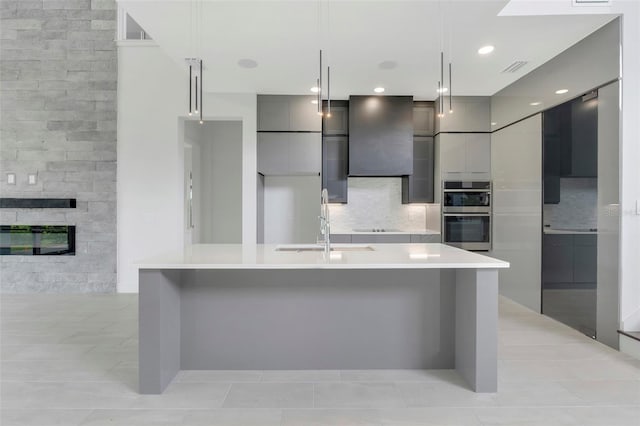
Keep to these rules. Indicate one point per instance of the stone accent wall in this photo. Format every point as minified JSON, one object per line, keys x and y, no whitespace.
{"x":58,"y":69}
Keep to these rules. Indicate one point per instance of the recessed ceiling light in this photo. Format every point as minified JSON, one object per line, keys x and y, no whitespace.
{"x":485,"y":50}
{"x":561,"y":91}
{"x":247,"y":63}
{"x":442,"y":90}
{"x":535,"y":103}
{"x":379,"y":89}
{"x":493,"y":123}
{"x":315,"y":102}
{"x":315,"y":89}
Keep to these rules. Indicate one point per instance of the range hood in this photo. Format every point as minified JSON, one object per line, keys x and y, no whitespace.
{"x":380,"y":136}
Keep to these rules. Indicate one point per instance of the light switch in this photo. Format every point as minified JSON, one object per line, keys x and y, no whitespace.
{"x":32,"y":179}
{"x":11,"y":178}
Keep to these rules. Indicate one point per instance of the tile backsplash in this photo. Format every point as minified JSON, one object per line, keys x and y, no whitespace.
{"x":377,"y":203}
{"x":578,"y":206}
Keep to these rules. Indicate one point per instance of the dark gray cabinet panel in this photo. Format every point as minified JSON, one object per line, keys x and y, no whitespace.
{"x":570,"y":140}
{"x":335,"y":154}
{"x":569,"y":259}
{"x":338,"y":123}
{"x":585,"y":258}
{"x":418,"y":187}
{"x":380,"y":135}
{"x":341,"y":238}
{"x":423,"y":118}
{"x":584,"y":138}
{"x":380,"y":238}
{"x":557,"y":259}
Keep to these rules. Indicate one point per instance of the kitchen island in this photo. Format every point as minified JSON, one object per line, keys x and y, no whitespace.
{"x":376,"y":306}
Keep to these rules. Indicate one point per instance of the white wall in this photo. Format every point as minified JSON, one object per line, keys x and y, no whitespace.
{"x":291,"y":209}
{"x":516,"y":167}
{"x":152,"y":99}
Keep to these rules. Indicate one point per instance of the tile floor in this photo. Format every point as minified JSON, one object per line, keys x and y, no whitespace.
{"x":72,"y":360}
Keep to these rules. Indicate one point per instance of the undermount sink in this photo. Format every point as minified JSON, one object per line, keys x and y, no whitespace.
{"x":316,"y":247}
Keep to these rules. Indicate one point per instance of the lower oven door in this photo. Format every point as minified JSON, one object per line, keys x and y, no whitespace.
{"x":467,"y":231}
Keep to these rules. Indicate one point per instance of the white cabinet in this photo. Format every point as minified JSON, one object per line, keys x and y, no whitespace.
{"x":282,"y":153}
{"x":465,"y":156}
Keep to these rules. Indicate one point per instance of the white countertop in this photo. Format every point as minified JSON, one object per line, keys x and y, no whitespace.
{"x":265,"y":256}
{"x":352,"y":232}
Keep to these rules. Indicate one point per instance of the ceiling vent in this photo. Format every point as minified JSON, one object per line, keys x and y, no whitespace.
{"x":514,"y":67}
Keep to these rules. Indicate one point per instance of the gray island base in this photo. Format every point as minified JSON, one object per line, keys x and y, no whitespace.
{"x":258,"y":312}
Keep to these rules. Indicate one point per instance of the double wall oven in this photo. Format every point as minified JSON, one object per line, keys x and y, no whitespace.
{"x":466,"y":214}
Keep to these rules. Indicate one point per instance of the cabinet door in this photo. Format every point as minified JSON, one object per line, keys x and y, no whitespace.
{"x":420,"y":184}
{"x":305,"y":153}
{"x":273,"y":113}
{"x":452,"y":156}
{"x":423,"y":118}
{"x":341,"y":238}
{"x":334,"y":167}
{"x":557,"y":259}
{"x":584,"y":135}
{"x":478,"y":155}
{"x":380,"y":238}
{"x":303,"y":115}
{"x":273,"y":153}
{"x":425,"y":238}
{"x":585,"y":258}
{"x":338,"y":123}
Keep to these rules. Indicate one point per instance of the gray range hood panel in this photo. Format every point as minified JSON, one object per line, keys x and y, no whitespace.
{"x":380,"y":135}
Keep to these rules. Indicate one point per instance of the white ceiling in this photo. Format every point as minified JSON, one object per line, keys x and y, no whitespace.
{"x":356,"y":36}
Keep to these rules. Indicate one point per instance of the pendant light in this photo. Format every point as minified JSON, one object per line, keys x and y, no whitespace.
{"x":195,"y":64}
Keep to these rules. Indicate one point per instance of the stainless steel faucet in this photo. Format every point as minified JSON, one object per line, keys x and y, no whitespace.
{"x":325,"y":223}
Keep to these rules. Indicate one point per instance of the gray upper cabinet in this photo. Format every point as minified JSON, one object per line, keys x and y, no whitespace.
{"x":470,"y":114}
{"x":303,"y":115}
{"x":418,"y":187}
{"x":305,"y":153}
{"x":338,"y":123}
{"x":289,"y":153}
{"x":273,"y":153}
{"x":283,"y":113}
{"x":335,"y":161}
{"x":423,"y":118}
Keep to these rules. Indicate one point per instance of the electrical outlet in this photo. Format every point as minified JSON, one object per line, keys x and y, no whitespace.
{"x":32,"y":179}
{"x":11,"y":178}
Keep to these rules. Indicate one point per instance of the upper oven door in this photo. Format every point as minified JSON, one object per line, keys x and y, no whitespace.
{"x":463,"y":200}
